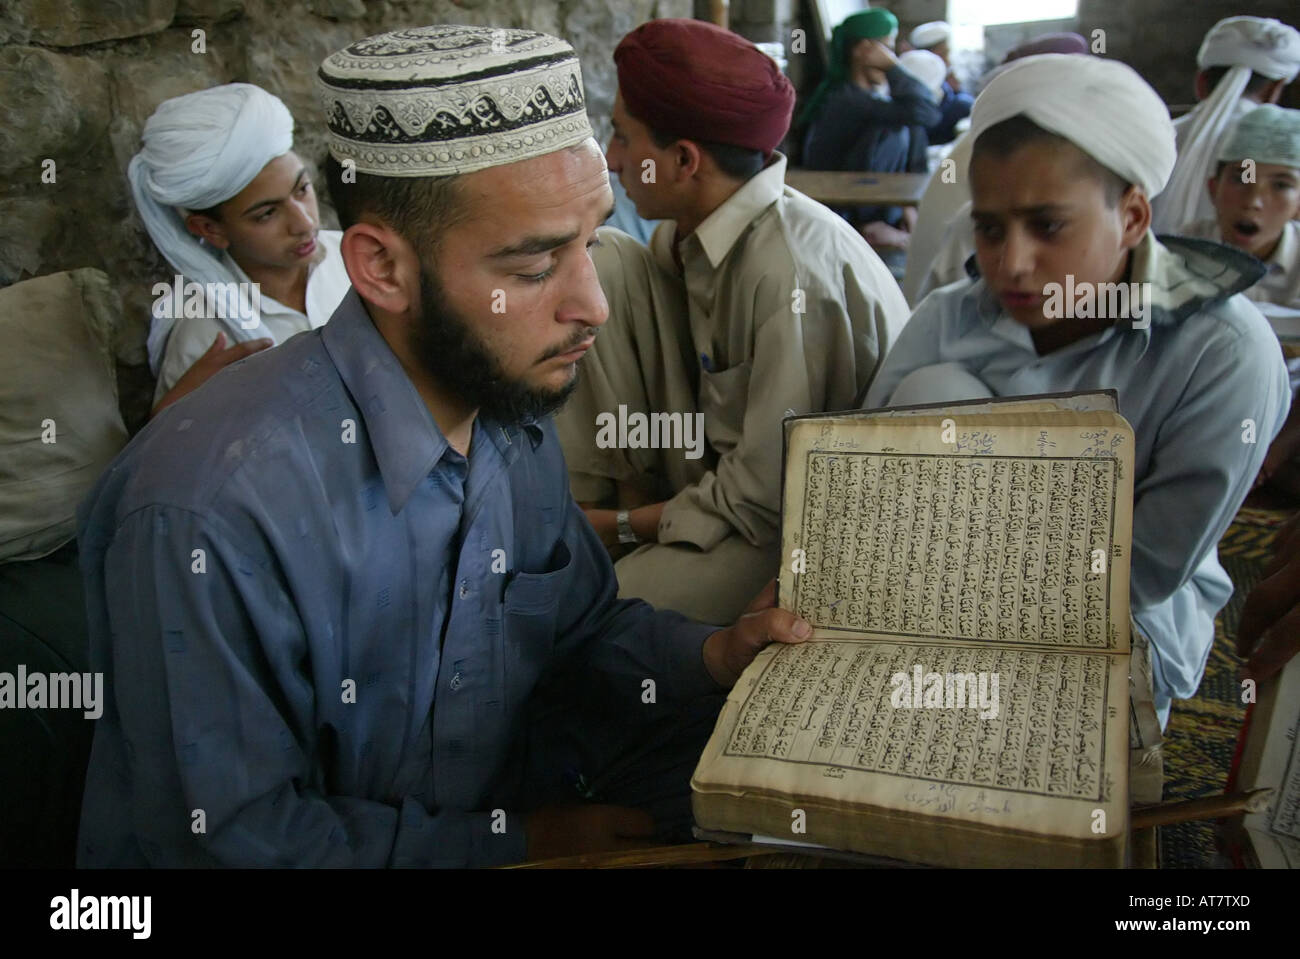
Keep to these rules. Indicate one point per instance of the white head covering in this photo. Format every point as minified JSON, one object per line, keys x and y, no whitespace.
{"x":1268,"y":135}
{"x":448,"y":99}
{"x":1101,"y":106}
{"x":1268,"y":47}
{"x":930,"y":34}
{"x":199,"y":150}
{"x":1244,"y":45}
{"x":927,"y":67}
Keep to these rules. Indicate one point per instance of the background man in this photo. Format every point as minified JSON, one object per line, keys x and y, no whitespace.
{"x":955,"y":104}
{"x":861,"y":116}
{"x":1243,"y":62}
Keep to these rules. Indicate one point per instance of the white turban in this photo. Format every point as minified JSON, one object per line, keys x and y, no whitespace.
{"x":1268,"y":47}
{"x":927,"y":67}
{"x":930,"y":34}
{"x":1101,"y":106}
{"x":1245,"y":45}
{"x":199,"y":150}
{"x":1268,"y":135}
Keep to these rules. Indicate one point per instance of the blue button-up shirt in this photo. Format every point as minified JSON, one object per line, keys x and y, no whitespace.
{"x":1204,"y":387}
{"x":318,"y":623}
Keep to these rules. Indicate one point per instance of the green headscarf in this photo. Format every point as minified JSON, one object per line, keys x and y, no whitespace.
{"x":868,"y":25}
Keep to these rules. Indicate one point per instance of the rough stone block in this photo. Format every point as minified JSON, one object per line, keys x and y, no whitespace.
{"x":207,"y":11}
{"x":51,"y":105}
{"x":71,"y":23}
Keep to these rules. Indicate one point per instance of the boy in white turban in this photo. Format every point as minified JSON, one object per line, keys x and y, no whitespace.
{"x":230,"y":205}
{"x":1243,"y":62}
{"x":1061,"y":196}
{"x":1256,"y":196}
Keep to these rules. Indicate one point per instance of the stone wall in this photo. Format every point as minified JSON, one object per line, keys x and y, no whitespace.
{"x":78,"y":79}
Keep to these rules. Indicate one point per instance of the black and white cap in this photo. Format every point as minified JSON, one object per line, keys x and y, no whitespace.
{"x":447,"y":99}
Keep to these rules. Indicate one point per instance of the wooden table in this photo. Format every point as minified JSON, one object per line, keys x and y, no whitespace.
{"x":853,"y":188}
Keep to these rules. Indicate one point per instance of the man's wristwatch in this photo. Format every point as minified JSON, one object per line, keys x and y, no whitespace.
{"x":625,"y":531}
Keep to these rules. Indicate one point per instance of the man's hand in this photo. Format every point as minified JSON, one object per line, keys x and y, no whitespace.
{"x":214,"y":360}
{"x":1270,"y":622}
{"x":878,"y":55}
{"x":728,"y":651}
{"x":578,"y":830}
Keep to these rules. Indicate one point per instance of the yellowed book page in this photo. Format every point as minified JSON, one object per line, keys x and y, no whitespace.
{"x":1080,"y":402}
{"x":1008,"y":737}
{"x":1001,"y":528}
{"x":1275,"y":832}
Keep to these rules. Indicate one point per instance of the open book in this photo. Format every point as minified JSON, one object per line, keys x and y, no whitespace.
{"x":1269,"y":757}
{"x":964,"y":697}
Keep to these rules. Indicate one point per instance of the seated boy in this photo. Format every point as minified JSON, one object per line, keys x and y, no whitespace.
{"x":231,"y":207}
{"x":1256,"y":196}
{"x":1060,"y":194}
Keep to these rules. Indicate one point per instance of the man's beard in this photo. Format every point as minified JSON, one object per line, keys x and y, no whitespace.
{"x":451,"y":352}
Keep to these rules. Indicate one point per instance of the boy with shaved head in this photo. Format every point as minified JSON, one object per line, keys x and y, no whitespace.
{"x":1060,"y":201}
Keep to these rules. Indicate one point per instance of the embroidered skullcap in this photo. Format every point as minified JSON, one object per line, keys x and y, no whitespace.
{"x":447,"y":99}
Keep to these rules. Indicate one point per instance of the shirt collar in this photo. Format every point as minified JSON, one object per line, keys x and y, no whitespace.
{"x":1186,"y":275}
{"x":406,"y":440}
{"x":721,"y":228}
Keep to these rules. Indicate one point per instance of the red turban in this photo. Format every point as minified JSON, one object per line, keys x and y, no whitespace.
{"x":696,"y":81}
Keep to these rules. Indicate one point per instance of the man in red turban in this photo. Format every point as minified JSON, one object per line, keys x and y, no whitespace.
{"x":752,"y":303}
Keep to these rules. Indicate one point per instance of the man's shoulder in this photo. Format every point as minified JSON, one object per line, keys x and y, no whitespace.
{"x":802,"y":238}
{"x":240,"y":421}
{"x":1234,"y":322}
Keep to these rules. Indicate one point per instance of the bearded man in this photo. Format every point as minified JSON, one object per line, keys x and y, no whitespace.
{"x":346,"y":607}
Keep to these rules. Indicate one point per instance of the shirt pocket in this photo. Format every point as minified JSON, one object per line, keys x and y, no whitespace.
{"x":529,"y":609}
{"x":723,"y":398}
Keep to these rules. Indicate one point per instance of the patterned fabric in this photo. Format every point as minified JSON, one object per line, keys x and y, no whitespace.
{"x":445,"y":100}
{"x":1202,"y":733}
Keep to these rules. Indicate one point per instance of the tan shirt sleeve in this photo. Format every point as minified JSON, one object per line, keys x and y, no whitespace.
{"x":802,"y":363}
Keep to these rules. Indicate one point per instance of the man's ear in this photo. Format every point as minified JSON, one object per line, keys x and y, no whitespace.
{"x":382,"y":265}
{"x":688,"y":157}
{"x":1212,"y":188}
{"x":208,"y":230}
{"x":1135,"y":213}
